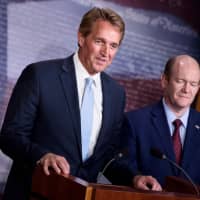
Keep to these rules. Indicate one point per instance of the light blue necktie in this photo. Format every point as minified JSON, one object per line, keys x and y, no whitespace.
{"x":87,"y":116}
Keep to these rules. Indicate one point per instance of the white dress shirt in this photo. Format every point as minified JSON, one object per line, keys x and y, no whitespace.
{"x":81,"y":75}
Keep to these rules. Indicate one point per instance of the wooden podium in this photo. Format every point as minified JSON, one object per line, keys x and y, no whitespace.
{"x":180,"y":185}
{"x":59,"y":187}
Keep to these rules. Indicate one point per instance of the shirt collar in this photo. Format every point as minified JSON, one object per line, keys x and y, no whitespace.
{"x":171,"y":116}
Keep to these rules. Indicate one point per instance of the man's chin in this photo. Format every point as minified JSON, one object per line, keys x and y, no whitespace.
{"x":100,"y":68}
{"x":184,"y":105}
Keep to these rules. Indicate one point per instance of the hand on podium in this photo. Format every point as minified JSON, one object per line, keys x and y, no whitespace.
{"x":52,"y":161}
{"x":146,"y":183}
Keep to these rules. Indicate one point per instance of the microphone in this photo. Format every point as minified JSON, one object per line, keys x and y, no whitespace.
{"x":101,"y":178}
{"x":158,"y":154}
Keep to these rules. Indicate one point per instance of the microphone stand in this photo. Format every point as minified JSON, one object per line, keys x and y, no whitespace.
{"x":158,"y":154}
{"x":184,"y":172}
{"x":101,"y":176}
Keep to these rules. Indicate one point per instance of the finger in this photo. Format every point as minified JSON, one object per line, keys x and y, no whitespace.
{"x":157,"y":187}
{"x":146,"y":187}
{"x":56,"y":167}
{"x":48,"y":163}
{"x":143,"y":185}
{"x":46,"y":168}
{"x":64,"y":167}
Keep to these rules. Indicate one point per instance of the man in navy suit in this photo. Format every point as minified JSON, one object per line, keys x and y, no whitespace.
{"x":152,"y":127}
{"x":43,"y":122}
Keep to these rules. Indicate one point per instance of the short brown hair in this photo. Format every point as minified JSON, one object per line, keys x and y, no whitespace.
{"x":106,"y":14}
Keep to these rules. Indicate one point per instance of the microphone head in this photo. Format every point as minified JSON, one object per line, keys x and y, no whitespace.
{"x":157,"y":153}
{"x":122,"y":153}
{"x":118,"y":156}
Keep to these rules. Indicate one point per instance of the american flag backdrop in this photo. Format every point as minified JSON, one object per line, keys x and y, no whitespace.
{"x":43,"y":29}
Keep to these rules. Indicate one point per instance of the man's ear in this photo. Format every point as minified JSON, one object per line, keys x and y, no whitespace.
{"x":81,"y":39}
{"x":164,"y":81}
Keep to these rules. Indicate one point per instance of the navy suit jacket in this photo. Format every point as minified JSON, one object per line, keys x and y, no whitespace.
{"x":146,"y":128}
{"x":43,"y":116}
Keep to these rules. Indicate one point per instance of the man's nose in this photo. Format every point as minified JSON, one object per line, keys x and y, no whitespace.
{"x":186,"y":87}
{"x":105,"y":50}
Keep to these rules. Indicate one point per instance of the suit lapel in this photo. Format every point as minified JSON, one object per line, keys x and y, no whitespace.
{"x":107,"y":102}
{"x":191,"y":144}
{"x":68,"y":81}
{"x":160,"y":123}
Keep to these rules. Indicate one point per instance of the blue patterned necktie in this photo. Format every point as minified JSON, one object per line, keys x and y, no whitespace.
{"x":87,"y":116}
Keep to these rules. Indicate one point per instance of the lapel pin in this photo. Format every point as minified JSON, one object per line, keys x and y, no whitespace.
{"x":197,"y":127}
